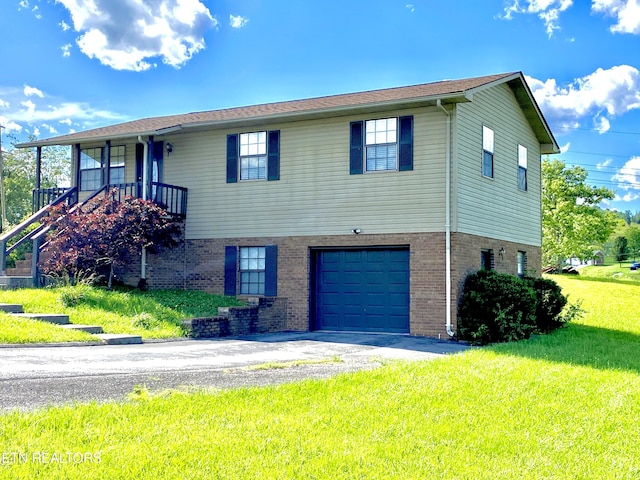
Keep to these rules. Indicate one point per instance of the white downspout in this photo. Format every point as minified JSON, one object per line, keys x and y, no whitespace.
{"x":143,"y":259}
{"x":447,"y":221}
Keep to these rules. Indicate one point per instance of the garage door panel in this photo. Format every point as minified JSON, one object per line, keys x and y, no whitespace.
{"x":368,"y":287}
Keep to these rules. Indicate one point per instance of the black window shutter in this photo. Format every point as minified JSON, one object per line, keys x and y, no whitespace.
{"x":232,"y":158}
{"x":273,"y":155}
{"x":356,"y":156}
{"x":271,"y":271}
{"x":406,"y":144}
{"x":230,"y":270}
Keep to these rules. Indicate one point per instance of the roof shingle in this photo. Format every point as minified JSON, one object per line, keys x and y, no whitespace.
{"x":155,"y":125}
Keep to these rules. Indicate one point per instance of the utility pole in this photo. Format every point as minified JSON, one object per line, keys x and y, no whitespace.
{"x":3,"y":222}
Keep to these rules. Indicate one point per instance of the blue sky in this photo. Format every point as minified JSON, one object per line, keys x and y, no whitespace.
{"x":69,"y":65}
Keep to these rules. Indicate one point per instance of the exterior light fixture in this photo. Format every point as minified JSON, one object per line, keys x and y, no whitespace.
{"x":169,"y":148}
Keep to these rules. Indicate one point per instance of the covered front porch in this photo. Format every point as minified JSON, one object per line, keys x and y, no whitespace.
{"x":96,"y":170}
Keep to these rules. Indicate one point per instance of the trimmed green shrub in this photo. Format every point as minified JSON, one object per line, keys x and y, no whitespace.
{"x":550,"y":304}
{"x":496,"y":307}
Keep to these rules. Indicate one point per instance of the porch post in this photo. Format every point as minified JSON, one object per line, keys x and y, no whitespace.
{"x":38,"y":167}
{"x":76,"y":149}
{"x":107,"y":175}
{"x":37,"y":197}
{"x":147,"y":176}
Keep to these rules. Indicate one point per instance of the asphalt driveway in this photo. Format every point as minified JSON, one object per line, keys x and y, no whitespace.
{"x":32,"y":377}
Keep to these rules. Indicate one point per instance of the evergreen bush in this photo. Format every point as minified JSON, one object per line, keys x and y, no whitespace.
{"x":497,"y":307}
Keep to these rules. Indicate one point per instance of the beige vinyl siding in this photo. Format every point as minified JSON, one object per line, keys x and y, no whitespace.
{"x":315,"y":195}
{"x":495,"y":207}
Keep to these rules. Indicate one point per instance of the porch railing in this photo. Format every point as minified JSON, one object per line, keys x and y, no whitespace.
{"x":170,"y":197}
{"x":46,"y":196}
{"x":6,"y":249}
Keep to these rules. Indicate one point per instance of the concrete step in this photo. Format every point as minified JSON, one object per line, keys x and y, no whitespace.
{"x":56,"y":318}
{"x":12,"y":283}
{"x":23,"y":264}
{"x":118,"y":339}
{"x":18,"y":272}
{"x":11,"y":308}
{"x":94,"y":329}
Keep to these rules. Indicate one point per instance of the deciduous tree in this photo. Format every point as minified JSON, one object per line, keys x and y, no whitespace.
{"x":573,"y":224}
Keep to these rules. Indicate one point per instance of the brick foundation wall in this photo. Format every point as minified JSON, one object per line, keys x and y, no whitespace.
{"x":465,"y":258}
{"x":205,"y":271}
{"x":199,"y":265}
{"x":261,"y":315}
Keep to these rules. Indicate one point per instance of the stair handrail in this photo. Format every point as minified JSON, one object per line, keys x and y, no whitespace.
{"x":4,"y":238}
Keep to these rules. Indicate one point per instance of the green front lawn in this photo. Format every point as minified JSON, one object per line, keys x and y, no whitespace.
{"x":562,"y":406}
{"x":151,"y":314}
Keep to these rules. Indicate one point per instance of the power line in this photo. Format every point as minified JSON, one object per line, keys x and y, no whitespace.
{"x":593,"y":130}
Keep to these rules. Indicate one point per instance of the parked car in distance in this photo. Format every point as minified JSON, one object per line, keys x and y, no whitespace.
{"x":635,"y":266}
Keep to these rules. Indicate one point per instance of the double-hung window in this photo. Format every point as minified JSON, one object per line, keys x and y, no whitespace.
{"x":384,"y":144}
{"x":522,"y":167}
{"x":251,"y":270}
{"x":253,"y":156}
{"x":487,"y":151}
{"x":116,"y":172}
{"x":91,"y":168}
{"x":381,"y":144}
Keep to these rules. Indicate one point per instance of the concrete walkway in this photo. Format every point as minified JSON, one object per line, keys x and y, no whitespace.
{"x":35,"y":377}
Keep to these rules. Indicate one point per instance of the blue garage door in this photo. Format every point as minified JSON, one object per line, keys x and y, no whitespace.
{"x":362,"y":290}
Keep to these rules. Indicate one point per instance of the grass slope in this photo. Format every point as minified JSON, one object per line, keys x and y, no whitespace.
{"x":560,"y":406}
{"x":151,"y":314}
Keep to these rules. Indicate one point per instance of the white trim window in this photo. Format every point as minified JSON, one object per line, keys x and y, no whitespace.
{"x":253,"y":156}
{"x":118,"y":156}
{"x":522,"y":168}
{"x":522,"y":263}
{"x":487,"y":151}
{"x":381,"y":140}
{"x":252,"y":270}
{"x":91,"y":168}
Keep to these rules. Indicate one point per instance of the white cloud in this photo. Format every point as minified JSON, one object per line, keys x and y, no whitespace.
{"x":601,"y":124}
{"x":565,"y":148}
{"x":66,"y":50}
{"x":627,"y":13}
{"x":28,"y":108}
{"x":628,"y":177}
{"x":31,"y":91}
{"x":29,"y":105}
{"x":628,"y":197}
{"x":411,"y":7}
{"x":547,"y":10}
{"x":237,"y":21}
{"x":127,"y":35}
{"x":10,"y":125}
{"x":64,"y":26}
{"x":51,"y":128}
{"x":600,"y":95}
{"x":604,"y":164}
